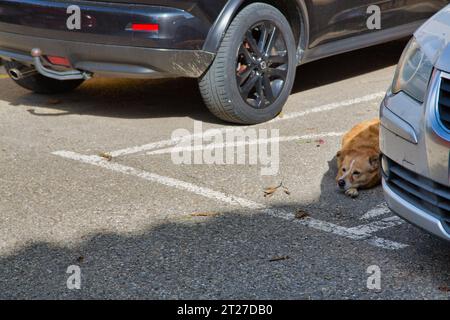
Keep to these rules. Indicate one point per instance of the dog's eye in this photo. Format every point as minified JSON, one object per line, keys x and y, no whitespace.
{"x":356,"y":173}
{"x":343,"y":169}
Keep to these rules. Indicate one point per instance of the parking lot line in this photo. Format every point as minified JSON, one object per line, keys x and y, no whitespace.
{"x":363,"y":233}
{"x":331,"y":106}
{"x":386,"y":244}
{"x":294,"y":115}
{"x":378,"y":225}
{"x":167,"y":181}
{"x":379,"y":210}
{"x":244,"y":143}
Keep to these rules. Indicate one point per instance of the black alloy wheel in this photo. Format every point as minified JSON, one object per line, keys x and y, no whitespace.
{"x":262,"y":64}
{"x":254,"y":69}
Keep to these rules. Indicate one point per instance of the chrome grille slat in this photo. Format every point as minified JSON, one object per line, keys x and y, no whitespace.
{"x":445,"y":115}
{"x":425,"y":196}
{"x":424,"y":193}
{"x":421,"y":183}
{"x":444,"y":102}
{"x":445,"y":86}
{"x":444,"y":206}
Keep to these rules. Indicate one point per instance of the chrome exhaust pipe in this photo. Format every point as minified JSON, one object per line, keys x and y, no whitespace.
{"x":17,"y":74}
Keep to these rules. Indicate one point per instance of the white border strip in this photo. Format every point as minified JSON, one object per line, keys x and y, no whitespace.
{"x":172,"y":142}
{"x":357,"y":233}
{"x":379,"y":210}
{"x":331,"y":106}
{"x":244,"y":143}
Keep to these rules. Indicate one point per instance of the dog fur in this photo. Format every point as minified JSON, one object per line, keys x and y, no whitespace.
{"x":358,"y":160}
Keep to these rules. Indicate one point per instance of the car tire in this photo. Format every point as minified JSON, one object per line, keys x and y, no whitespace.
{"x":41,"y":84}
{"x":257,"y":50}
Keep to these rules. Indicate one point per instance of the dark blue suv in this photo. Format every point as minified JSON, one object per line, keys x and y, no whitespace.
{"x":243,"y":52}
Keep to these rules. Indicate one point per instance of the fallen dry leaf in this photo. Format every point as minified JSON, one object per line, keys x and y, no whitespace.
{"x":268,"y":192}
{"x":444,"y":289}
{"x":301,"y":214}
{"x":286,"y":190}
{"x":279,"y":258}
{"x":106,"y":156}
{"x":320,"y":141}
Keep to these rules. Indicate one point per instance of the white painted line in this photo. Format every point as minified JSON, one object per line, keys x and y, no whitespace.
{"x":378,"y":225}
{"x":350,"y":233}
{"x":379,"y":210}
{"x":172,"y":142}
{"x":146,"y":147}
{"x":245,"y":143}
{"x":170,"y":182}
{"x":363,"y":233}
{"x":331,"y":106}
{"x":386,"y":244}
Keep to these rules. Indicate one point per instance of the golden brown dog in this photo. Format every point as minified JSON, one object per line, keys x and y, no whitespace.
{"x":358,"y":160}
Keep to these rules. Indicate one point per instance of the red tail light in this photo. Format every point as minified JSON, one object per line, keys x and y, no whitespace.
{"x":147,"y":27}
{"x":59,"y":61}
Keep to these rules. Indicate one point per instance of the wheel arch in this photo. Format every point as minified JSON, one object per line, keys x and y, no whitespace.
{"x":295,"y":12}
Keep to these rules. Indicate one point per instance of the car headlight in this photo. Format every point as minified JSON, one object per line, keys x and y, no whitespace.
{"x":413,"y":72}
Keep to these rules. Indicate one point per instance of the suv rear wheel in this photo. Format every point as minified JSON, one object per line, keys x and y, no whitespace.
{"x":254,"y":70}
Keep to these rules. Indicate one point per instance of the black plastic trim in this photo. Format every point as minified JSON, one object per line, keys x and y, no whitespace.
{"x":361,"y":41}
{"x":115,"y":60}
{"x":231,"y":9}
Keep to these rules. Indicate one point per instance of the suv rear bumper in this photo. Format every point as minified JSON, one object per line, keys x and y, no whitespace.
{"x":105,"y":41}
{"x":108,"y":22}
{"x":108,"y":59}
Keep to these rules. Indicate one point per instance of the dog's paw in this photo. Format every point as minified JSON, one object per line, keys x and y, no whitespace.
{"x":353,"y":193}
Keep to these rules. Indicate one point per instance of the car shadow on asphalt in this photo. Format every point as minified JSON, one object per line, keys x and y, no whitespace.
{"x":131,"y":98}
{"x":334,"y":206}
{"x":234,"y":255}
{"x":348,"y":65}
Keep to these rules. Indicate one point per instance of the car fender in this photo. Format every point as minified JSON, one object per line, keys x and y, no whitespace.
{"x":231,"y":9}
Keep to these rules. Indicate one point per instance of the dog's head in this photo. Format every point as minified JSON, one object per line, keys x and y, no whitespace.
{"x":357,"y":169}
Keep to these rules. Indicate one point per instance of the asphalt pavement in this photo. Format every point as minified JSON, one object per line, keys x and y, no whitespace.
{"x":88,"y":179}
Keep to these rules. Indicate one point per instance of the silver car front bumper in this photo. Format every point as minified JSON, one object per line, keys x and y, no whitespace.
{"x":416,"y":166}
{"x":414,"y":215}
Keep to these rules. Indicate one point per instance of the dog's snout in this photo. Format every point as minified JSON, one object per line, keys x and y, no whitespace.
{"x":341,"y":183}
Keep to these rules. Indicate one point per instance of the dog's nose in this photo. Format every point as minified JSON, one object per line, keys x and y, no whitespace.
{"x":341,"y":183}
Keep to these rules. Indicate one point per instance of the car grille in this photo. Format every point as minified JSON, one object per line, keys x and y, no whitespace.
{"x":423,"y":193}
{"x":444,"y":102}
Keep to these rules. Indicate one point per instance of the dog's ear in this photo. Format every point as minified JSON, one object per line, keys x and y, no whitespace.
{"x":374,"y":162}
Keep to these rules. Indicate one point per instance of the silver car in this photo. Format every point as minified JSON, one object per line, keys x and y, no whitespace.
{"x":415,"y":130}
